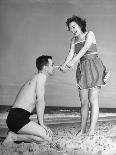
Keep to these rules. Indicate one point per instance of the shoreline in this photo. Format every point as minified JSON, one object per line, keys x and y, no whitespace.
{"x":58,"y":118}
{"x":49,"y":109}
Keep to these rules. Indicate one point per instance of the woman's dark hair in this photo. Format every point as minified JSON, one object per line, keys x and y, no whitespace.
{"x":81,"y":22}
{"x":42,"y":61}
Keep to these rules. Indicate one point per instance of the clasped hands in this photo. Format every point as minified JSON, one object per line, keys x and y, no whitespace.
{"x":68,"y":66}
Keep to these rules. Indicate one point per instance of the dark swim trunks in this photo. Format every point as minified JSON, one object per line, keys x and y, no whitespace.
{"x":17,"y":118}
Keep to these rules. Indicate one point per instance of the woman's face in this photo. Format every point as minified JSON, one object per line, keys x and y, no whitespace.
{"x":75,"y":28}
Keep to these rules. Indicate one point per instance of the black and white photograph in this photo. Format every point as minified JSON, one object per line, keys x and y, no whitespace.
{"x":57,"y":77}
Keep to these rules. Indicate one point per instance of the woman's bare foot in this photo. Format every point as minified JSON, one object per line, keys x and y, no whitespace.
{"x":80,"y":133}
{"x":11,"y":137}
{"x":91,"y":133}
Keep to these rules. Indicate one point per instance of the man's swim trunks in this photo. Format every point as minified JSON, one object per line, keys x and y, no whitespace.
{"x":17,"y":118}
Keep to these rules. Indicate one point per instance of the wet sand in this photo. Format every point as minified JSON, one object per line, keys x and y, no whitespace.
{"x":102,"y":143}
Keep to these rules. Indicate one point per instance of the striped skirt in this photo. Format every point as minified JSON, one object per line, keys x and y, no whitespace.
{"x":91,"y":72}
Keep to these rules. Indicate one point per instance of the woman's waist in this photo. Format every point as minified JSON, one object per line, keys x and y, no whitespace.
{"x":88,"y":56}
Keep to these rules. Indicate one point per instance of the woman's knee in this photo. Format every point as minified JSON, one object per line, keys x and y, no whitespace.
{"x":84,"y":97}
{"x":93,"y":96}
{"x":84,"y":101}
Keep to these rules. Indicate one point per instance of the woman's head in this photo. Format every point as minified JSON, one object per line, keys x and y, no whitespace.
{"x":74,"y":22}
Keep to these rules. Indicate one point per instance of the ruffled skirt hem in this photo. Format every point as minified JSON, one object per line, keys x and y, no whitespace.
{"x":91,"y":72}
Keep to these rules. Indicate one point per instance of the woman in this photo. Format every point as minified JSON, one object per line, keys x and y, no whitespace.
{"x":90,"y":73}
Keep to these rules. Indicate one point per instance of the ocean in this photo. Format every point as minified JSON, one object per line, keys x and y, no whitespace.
{"x":57,"y":115}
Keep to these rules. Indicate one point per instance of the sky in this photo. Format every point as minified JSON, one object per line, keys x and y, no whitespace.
{"x":30,"y":28}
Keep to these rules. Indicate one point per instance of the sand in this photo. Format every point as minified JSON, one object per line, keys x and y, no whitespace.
{"x":102,"y":143}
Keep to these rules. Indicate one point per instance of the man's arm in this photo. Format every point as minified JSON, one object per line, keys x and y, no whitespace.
{"x":40,"y":105}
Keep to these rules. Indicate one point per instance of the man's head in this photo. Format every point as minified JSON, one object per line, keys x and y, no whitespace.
{"x":45,"y":63}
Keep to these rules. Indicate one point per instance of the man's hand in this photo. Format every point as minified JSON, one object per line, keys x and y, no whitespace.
{"x":48,"y":131}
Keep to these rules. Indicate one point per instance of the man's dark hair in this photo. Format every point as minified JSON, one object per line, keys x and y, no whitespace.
{"x":81,"y":22}
{"x":42,"y":61}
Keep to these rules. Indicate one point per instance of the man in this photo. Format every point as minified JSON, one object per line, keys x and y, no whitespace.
{"x":31,"y":96}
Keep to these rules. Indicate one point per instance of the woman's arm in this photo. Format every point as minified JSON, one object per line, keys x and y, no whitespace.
{"x":71,"y":53}
{"x":89,"y":40}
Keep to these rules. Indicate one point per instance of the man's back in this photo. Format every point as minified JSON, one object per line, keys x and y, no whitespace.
{"x":26,"y":97}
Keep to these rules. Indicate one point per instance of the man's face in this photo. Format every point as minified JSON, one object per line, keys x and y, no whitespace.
{"x":50,"y":67}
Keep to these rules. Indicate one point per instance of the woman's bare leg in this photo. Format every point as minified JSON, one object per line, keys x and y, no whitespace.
{"x":83,"y":94}
{"x":93,"y":98}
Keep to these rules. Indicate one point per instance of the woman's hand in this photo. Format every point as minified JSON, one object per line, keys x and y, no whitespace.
{"x":70,"y":64}
{"x":63,"y":68}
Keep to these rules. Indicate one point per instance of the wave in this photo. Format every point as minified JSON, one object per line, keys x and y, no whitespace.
{"x":55,"y":115}
{"x":59,"y":109}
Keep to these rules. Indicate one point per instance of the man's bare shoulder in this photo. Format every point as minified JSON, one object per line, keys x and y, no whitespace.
{"x":40,"y":78}
{"x":40,"y":84}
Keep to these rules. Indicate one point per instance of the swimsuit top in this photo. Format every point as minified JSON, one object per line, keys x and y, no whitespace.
{"x":79,"y":45}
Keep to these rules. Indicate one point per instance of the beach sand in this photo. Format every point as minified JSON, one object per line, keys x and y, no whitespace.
{"x":102,"y":143}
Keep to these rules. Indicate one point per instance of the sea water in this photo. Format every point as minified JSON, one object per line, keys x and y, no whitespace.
{"x":57,"y":115}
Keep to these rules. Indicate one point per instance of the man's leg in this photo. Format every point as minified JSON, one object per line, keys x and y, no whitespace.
{"x":30,"y":132}
{"x":83,"y":94}
{"x":13,"y":137}
{"x":93,"y":98}
{"x":35,"y":129}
